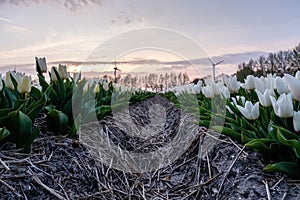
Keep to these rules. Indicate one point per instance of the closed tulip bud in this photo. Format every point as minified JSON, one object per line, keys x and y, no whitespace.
{"x":62,"y":70}
{"x":41,"y":64}
{"x":250,"y":111}
{"x":76,"y":77}
{"x":53,"y":75}
{"x":97,"y":88}
{"x":8,"y":81}
{"x":24,"y":85}
{"x":264,"y":98}
{"x":297,"y":75}
{"x":87,"y":86}
{"x":208,"y":91}
{"x":281,"y":85}
{"x":225,"y":93}
{"x":249,"y":83}
{"x":296,"y":121}
{"x":232,"y":83}
{"x":283,"y":107}
{"x":294,"y":85}
{"x":105,"y":86}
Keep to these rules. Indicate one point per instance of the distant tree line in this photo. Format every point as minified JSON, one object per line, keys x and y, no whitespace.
{"x":156,"y":82}
{"x":275,"y":63}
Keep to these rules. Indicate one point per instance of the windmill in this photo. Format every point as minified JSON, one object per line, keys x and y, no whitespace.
{"x":214,"y":67}
{"x":115,"y":72}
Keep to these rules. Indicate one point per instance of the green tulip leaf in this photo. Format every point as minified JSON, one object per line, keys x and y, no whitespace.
{"x":289,"y":168}
{"x":3,"y":133}
{"x":30,"y":140}
{"x":35,"y":93}
{"x":228,"y":132}
{"x":20,"y":127}
{"x":292,"y":143}
{"x":57,"y":121}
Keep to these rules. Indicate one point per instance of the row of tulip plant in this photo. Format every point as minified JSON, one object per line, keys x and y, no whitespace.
{"x":263,"y":113}
{"x":67,"y":101}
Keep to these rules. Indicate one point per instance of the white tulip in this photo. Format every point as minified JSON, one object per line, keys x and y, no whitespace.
{"x":41,"y":63}
{"x":197,"y":87}
{"x":238,"y":98}
{"x":87,"y":86}
{"x":76,"y":76}
{"x":53,"y":75}
{"x":283,"y":107}
{"x":208,"y":92}
{"x":97,"y":88}
{"x":8,"y":82}
{"x":296,"y":121}
{"x":249,"y":83}
{"x":105,"y":86}
{"x":264,"y":98}
{"x":281,"y":85}
{"x":250,"y":111}
{"x":225,"y":93}
{"x":62,"y":70}
{"x":24,"y":85}
{"x":232,"y":83}
{"x":294,"y":85}
{"x":297,"y":75}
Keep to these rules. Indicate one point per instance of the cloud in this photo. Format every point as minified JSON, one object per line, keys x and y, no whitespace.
{"x":69,"y":4}
{"x":15,"y":29}
{"x":5,"y":20}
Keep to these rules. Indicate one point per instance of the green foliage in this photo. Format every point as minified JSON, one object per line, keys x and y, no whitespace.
{"x":57,"y":121}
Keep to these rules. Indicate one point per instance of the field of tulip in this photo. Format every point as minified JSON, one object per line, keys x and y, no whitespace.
{"x":22,"y":103}
{"x":263,"y":114}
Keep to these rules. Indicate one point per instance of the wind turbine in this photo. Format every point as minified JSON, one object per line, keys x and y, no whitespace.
{"x":214,"y":67}
{"x":115,"y":72}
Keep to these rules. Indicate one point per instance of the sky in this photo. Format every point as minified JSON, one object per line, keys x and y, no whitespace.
{"x":73,"y":30}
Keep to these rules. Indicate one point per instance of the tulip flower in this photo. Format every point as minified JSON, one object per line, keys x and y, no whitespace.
{"x":77,"y":77}
{"x":263,"y":83}
{"x":87,"y":86}
{"x":8,"y":81}
{"x":264,"y":98}
{"x":281,"y":85}
{"x":208,"y":92}
{"x":283,"y":107}
{"x":238,"y":98}
{"x":97,"y":88}
{"x":53,"y":75}
{"x":232,"y":83}
{"x":24,"y":85}
{"x":62,"y":70}
{"x":249,"y":83}
{"x":225,"y":93}
{"x":41,"y":64}
{"x":250,"y":111}
{"x":105,"y":86}
{"x":293,"y":85}
{"x":296,"y":121}
{"x":197,"y":87}
{"x":297,"y":75}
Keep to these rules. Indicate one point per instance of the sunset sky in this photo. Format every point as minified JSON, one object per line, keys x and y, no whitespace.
{"x":70,"y":30}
